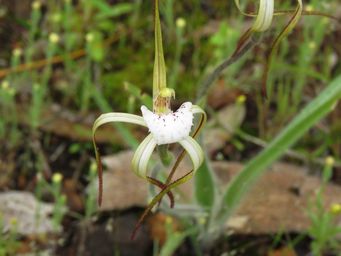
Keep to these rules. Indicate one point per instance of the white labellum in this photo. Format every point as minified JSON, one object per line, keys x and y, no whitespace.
{"x":172,"y":127}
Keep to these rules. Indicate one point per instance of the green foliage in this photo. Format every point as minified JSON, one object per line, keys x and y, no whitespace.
{"x":239,"y":186}
{"x":205,"y":186}
{"x":8,"y":238}
{"x":106,"y":63}
{"x":324,"y":228}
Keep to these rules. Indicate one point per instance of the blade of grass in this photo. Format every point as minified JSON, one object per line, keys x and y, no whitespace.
{"x":204,"y":188}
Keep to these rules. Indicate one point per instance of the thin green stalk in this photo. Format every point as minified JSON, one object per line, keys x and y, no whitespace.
{"x":68,"y":13}
{"x":34,"y":25}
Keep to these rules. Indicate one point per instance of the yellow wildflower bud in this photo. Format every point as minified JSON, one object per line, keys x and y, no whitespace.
{"x":169,"y":220}
{"x":312,"y":45}
{"x":167,"y":93}
{"x":17,"y":52}
{"x":36,"y":5}
{"x":93,"y":168}
{"x":330,"y":161}
{"x":89,"y":37}
{"x":241,"y":99}
{"x":5,"y":85}
{"x":335,"y":208}
{"x":54,"y":38}
{"x":57,"y":177}
{"x":180,"y":23}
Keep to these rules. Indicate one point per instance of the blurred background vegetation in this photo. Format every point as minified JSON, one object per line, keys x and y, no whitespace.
{"x":62,"y":63}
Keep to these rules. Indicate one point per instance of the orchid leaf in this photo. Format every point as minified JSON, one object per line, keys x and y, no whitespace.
{"x":205,"y":188}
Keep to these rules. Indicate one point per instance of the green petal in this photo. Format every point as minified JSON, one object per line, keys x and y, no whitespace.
{"x":117,"y":117}
{"x":264,"y":16}
{"x":142,"y":156}
{"x":194,"y":151}
{"x":104,"y":119}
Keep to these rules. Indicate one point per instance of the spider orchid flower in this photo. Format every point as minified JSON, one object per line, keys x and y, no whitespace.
{"x":165,"y":127}
{"x":173,"y":127}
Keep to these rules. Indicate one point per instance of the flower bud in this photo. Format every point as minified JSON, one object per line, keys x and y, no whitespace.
{"x":241,"y":99}
{"x":36,"y":5}
{"x":180,"y":23}
{"x":335,"y":208}
{"x":5,"y":85}
{"x":57,"y":177}
{"x":17,"y":52}
{"x":54,"y":38}
{"x":330,"y":161}
{"x":89,"y":37}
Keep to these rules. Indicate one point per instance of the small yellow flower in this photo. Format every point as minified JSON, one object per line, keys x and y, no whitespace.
{"x":89,"y":37}
{"x":312,"y":45}
{"x":180,"y":23}
{"x":330,"y":161}
{"x":17,"y":52}
{"x":241,"y":99}
{"x":54,"y":38}
{"x":36,"y":5}
{"x":5,"y":85}
{"x":57,"y":177}
{"x":93,"y":168}
{"x":169,"y":220}
{"x":335,"y":208}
